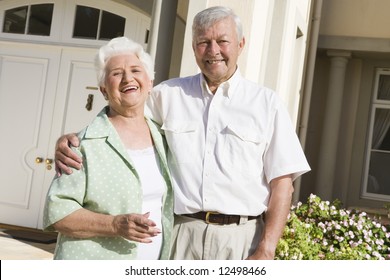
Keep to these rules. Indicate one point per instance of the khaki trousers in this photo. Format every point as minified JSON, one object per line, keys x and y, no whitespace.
{"x":193,"y":239}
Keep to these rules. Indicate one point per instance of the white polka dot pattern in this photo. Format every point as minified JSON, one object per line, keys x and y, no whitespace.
{"x":109,"y":184}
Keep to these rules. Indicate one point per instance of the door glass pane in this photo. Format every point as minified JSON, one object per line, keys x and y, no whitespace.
{"x":40,"y":19}
{"x":15,"y":20}
{"x":86,"y":22}
{"x":112,"y":26}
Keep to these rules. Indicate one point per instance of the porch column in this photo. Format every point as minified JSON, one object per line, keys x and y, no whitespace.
{"x":163,"y":23}
{"x":329,"y":141}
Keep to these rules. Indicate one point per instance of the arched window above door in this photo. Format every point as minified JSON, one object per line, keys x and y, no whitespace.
{"x":92,"y":23}
{"x":89,"y":22}
{"x":32,"y":19}
{"x":81,"y":22}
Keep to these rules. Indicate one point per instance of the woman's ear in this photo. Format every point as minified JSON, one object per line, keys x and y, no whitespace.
{"x":104,"y":92}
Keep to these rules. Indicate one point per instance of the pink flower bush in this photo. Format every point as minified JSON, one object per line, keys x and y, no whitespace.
{"x":320,"y":230}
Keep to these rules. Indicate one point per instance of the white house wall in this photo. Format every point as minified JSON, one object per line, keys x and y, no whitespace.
{"x":188,"y":65}
{"x":292,"y":55}
{"x":356,"y":18}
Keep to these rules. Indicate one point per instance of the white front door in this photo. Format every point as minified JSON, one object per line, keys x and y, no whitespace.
{"x":46,"y":91}
{"x":28,"y":77}
{"x":43,"y":93}
{"x":79,"y":98}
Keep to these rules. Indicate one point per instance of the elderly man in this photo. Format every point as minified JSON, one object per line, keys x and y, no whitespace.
{"x":233,"y":150}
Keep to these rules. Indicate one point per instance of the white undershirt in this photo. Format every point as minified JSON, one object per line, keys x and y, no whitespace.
{"x":153,"y":186}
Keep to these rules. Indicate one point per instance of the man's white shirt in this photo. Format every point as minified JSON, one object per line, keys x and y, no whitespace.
{"x":227,"y":147}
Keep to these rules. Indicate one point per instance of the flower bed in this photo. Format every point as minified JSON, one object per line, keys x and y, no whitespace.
{"x":320,"y":230}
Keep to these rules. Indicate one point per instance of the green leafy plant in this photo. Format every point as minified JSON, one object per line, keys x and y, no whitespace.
{"x":320,"y":230}
{"x":387,"y":207}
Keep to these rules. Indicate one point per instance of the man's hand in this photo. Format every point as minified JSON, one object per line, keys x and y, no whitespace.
{"x":64,"y":156}
{"x":263,"y":254}
{"x":275,"y":218}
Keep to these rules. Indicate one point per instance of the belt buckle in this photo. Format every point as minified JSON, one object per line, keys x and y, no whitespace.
{"x":208,"y":217}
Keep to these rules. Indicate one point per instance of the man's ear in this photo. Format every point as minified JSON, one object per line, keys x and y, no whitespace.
{"x":241,"y":44}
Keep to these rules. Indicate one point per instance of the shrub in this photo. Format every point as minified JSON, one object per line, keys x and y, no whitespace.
{"x":320,"y":230}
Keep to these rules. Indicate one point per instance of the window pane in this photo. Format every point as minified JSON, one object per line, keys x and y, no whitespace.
{"x":86,"y":22}
{"x":381,"y":131}
{"x":40,"y":19}
{"x":384,"y":87}
{"x":15,"y":20}
{"x":112,"y":26}
{"x":379,"y":175}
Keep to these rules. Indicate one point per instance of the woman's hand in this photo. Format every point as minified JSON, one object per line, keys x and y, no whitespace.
{"x":84,"y":223}
{"x":135,"y":227}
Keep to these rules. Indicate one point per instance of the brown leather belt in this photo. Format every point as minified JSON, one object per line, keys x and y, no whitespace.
{"x":218,"y":219}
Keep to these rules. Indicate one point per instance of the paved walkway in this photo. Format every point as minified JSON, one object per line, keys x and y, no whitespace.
{"x":13,"y":249}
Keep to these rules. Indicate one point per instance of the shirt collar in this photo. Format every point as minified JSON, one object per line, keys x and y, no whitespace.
{"x":227,"y":87}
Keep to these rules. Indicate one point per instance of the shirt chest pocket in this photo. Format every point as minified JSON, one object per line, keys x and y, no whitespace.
{"x":243,"y":150}
{"x":181,"y":138}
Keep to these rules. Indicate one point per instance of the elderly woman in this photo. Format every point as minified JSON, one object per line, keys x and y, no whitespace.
{"x":119,"y":205}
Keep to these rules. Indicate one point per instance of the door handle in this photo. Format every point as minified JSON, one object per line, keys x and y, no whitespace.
{"x":89,"y":104}
{"x":49,"y":162}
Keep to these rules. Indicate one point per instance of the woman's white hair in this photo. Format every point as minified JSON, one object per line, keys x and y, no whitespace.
{"x":208,"y":17}
{"x":118,"y":46}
